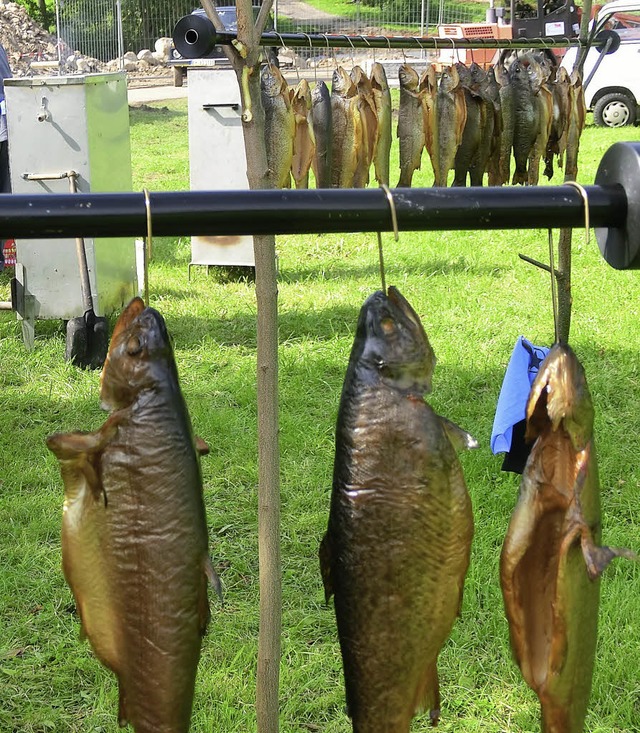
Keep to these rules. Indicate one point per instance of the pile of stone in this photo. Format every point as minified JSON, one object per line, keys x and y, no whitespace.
{"x":23,"y":39}
{"x":34,"y":51}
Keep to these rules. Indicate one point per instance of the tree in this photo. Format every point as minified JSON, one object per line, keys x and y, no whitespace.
{"x":245,"y":59}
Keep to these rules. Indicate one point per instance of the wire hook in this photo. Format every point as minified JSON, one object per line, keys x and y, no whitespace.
{"x":315,"y":66}
{"x":147,"y":249}
{"x":392,"y":207}
{"x":585,"y":197}
{"x":554,"y":293}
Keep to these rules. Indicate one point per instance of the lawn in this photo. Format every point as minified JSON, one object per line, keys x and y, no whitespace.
{"x":475,"y":298}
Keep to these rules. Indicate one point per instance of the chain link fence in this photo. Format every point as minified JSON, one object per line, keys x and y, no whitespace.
{"x":105,"y":29}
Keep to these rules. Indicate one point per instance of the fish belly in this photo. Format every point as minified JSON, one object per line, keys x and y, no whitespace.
{"x":156,"y":545}
{"x":400,"y":532}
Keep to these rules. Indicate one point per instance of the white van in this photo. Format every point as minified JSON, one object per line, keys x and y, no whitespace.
{"x":613,"y":92}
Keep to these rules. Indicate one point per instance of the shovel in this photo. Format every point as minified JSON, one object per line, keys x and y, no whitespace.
{"x":87,"y":335}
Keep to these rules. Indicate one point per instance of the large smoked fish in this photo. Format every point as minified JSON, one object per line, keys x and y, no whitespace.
{"x":551,"y":559}
{"x":397,"y":546}
{"x":134,"y":537}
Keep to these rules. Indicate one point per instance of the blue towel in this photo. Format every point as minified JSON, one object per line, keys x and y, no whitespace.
{"x":512,"y":402}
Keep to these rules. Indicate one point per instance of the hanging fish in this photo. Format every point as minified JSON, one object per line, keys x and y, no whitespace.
{"x":134,"y":535}
{"x":369,"y":118}
{"x":382,"y":102}
{"x":348,"y":135}
{"x":507,"y":126}
{"x":577,"y":116}
{"x":397,"y":545}
{"x":428,"y":88}
{"x":410,"y":129}
{"x":551,"y":559}
{"x":473,"y":152}
{"x":544,"y":101}
{"x":322,"y":132}
{"x":450,"y":119}
{"x":491,"y":93}
{"x":279,"y":125}
{"x":525,"y":80}
{"x":557,"y":144}
{"x":304,"y":143}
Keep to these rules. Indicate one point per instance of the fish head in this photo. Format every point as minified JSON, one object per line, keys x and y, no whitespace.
{"x":391,"y":341}
{"x":409,"y":78}
{"x":341,"y":84}
{"x":428,"y":80}
{"x":272,"y":83}
{"x":140,"y":357}
{"x":449,"y":79}
{"x":560,"y":398}
{"x":301,"y":96}
{"x":379,"y":77}
{"x":526,"y":71}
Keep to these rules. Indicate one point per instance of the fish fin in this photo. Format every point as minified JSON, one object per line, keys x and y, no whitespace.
{"x":325,"y":567}
{"x":428,"y":694}
{"x":213,"y":578}
{"x":460,"y":439}
{"x":597,"y":558}
{"x":202,"y":447}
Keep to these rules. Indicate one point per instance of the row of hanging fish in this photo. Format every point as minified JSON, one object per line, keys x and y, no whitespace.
{"x":398,"y":542}
{"x":475,"y":121}
{"x":338,"y":134}
{"x":469,"y":120}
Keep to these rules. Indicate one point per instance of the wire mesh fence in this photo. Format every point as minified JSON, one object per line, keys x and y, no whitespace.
{"x":105,"y":29}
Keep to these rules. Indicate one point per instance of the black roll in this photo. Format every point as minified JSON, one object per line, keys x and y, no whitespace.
{"x":194,"y":36}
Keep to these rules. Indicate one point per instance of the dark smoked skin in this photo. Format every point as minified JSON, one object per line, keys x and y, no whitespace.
{"x":551,"y":559}
{"x":400,"y":527}
{"x":134,"y":537}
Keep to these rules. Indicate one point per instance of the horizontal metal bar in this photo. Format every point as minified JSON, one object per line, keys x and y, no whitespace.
{"x":324,"y":40}
{"x":307,"y":211}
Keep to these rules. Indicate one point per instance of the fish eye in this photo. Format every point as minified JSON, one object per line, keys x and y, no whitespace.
{"x":388,"y":326}
{"x":133,"y":346}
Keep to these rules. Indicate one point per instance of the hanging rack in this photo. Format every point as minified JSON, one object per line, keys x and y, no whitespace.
{"x":614,"y":207}
{"x":188,"y":40}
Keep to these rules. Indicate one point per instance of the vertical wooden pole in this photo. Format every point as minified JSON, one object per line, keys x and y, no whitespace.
{"x":564,"y":242}
{"x":245,"y":59}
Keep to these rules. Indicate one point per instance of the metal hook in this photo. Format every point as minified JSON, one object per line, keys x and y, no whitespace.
{"x":554,"y":293}
{"x":315,"y":66}
{"x":582,"y":191}
{"x":147,"y":249}
{"x":392,"y":206}
{"x":353,"y":48}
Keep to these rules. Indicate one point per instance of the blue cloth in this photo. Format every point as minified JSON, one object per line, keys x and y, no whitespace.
{"x":512,"y":402}
{"x":5,"y":69}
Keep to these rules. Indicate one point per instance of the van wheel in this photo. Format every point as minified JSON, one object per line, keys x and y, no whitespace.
{"x":614,"y":110}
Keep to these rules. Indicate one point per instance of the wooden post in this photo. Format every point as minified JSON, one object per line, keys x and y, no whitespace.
{"x":245,"y":58}
{"x":564,"y":242}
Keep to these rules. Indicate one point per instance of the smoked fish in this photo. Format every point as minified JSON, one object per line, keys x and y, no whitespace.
{"x":382,"y":101}
{"x":410,"y":125}
{"x":397,"y":546}
{"x":279,"y":125}
{"x":369,"y":119}
{"x":348,"y":133}
{"x":322,"y":132}
{"x":551,"y":559}
{"x":304,"y":142}
{"x":450,"y":119}
{"x":134,"y":535}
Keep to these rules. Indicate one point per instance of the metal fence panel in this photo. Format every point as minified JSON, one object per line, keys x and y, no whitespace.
{"x":92,"y":27}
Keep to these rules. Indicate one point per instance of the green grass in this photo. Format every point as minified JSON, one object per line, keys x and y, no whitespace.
{"x":475,"y":298}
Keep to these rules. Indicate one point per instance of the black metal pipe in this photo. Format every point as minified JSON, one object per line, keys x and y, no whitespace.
{"x":195,"y":37}
{"x":307,"y":211}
